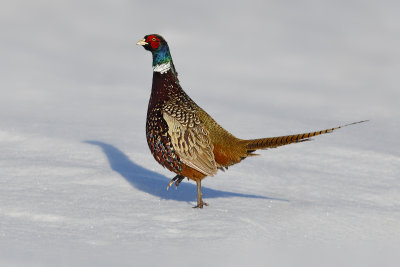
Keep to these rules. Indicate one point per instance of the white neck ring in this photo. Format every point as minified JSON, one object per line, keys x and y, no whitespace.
{"x":162,"y":68}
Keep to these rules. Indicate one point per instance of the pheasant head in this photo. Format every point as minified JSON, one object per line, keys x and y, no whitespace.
{"x":158,"y":47}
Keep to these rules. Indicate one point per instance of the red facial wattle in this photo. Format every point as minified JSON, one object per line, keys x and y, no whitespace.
{"x":153,"y":41}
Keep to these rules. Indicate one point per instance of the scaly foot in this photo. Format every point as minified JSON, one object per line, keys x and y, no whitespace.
{"x":177,"y":179}
{"x":200,"y":205}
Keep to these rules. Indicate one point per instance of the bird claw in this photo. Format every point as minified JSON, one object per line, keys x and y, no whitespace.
{"x":178,"y":182}
{"x":177,"y":179}
{"x":170,"y":183}
{"x":200,"y":205}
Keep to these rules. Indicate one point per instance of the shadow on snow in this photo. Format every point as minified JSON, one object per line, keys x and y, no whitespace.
{"x":155,"y":184}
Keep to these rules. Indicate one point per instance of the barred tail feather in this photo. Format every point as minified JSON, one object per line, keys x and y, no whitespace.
{"x":272,"y":142}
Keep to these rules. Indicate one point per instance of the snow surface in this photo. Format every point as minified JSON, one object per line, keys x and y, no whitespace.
{"x":79,"y":187}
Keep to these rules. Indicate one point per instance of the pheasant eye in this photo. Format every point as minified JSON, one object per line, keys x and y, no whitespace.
{"x":154,"y":39}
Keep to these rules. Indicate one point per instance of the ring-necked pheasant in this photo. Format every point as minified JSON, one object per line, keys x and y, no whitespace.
{"x":183,"y":137}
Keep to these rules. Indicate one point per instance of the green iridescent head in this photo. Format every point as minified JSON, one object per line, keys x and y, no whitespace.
{"x":158,"y":47}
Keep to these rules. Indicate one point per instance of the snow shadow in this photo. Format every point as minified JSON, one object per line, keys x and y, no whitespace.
{"x":155,"y":184}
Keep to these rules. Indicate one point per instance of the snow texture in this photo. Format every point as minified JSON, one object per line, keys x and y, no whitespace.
{"x":79,"y":187}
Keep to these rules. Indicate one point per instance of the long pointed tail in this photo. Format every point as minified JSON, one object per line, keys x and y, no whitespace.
{"x":271,"y":142}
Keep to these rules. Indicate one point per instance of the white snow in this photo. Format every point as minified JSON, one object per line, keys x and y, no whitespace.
{"x":79,"y":187}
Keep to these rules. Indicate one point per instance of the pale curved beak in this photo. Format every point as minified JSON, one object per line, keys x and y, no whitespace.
{"x":142,"y":42}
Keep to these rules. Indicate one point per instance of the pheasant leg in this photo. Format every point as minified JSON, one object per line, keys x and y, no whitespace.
{"x":200,"y":202}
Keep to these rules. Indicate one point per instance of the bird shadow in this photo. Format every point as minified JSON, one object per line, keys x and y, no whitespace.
{"x":155,"y":184}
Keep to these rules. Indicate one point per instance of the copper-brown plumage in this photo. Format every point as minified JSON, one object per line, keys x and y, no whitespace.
{"x":184,"y":138}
